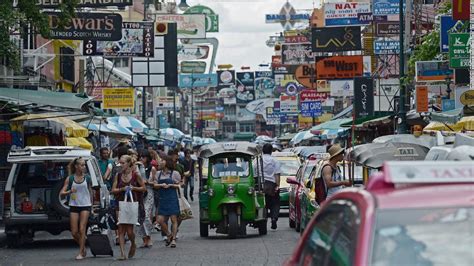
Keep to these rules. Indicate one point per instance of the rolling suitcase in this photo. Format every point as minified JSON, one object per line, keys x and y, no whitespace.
{"x":99,"y":243}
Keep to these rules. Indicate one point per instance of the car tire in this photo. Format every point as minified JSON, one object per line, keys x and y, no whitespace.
{"x":57,"y":203}
{"x":203,"y":229}
{"x":262,"y":227}
{"x":291,"y":223}
{"x":14,"y":240}
{"x":233,"y":224}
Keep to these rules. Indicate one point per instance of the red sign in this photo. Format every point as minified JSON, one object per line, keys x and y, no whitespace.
{"x":461,"y":9}
{"x":422,"y":103}
{"x":276,"y":61}
{"x":296,"y":39}
{"x":339,"y":67}
{"x":312,"y":95}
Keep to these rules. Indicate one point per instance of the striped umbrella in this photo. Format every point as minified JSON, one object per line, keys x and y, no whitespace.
{"x":171,"y":134}
{"x":303,"y":135}
{"x":109,"y":127}
{"x":197,"y":141}
{"x":129,"y":122}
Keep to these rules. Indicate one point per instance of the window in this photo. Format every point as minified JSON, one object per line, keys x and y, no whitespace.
{"x":247,"y":127}
{"x":230,"y":111}
{"x":231,"y":166}
{"x":229,"y":128}
{"x":333,"y":238}
{"x":121,"y":62}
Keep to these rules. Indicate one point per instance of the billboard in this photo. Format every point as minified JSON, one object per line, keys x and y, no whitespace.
{"x":342,"y":14}
{"x":118,"y":98}
{"x":387,"y":28}
{"x":341,"y":88}
{"x":429,"y":71}
{"x":422,"y":102}
{"x":296,"y":54}
{"x":363,"y":97}
{"x":339,"y":67}
{"x":227,"y":94}
{"x":212,"y":19}
{"x":264,"y":84}
{"x":383,"y":46}
{"x":245,"y":87}
{"x":197,"y":80}
{"x":225,"y":78}
{"x":288,"y":104}
{"x":137,"y":40}
{"x":306,"y":75}
{"x":191,"y":26}
{"x":86,"y":26}
{"x":336,"y":39}
{"x":385,"y":7}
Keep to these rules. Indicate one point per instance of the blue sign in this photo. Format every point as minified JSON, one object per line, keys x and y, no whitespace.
{"x":288,"y":118}
{"x":342,"y":21}
{"x":385,"y":7}
{"x":448,"y":25}
{"x":197,"y":80}
{"x":264,"y":84}
{"x":448,"y":104}
{"x":311,"y":109}
{"x":386,"y":47}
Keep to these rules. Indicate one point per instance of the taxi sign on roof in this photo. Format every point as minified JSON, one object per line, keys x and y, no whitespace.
{"x":429,"y":172}
{"x":229,"y":146}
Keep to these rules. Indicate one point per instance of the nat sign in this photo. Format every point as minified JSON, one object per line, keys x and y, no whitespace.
{"x":86,"y":26}
{"x":339,"y":67}
{"x":336,"y":39}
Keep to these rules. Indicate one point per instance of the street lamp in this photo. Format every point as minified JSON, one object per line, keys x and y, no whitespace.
{"x":183,"y":5}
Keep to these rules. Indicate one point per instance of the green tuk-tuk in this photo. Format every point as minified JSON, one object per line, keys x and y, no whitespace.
{"x":231,"y":194}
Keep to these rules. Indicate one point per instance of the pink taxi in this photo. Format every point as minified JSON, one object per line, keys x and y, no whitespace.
{"x":411,"y":213}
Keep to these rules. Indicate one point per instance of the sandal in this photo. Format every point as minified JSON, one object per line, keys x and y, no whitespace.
{"x":80,"y":257}
{"x":122,"y":258}
{"x":131,"y":253}
{"x":173,"y":243}
{"x":168,"y":240}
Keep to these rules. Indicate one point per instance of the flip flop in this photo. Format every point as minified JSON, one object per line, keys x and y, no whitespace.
{"x":122,"y":258}
{"x":80,"y":257}
{"x":173,"y":243}
{"x":131,"y":252}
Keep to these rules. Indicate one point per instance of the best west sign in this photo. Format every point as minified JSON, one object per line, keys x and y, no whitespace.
{"x":459,"y":50}
{"x":85,"y":3}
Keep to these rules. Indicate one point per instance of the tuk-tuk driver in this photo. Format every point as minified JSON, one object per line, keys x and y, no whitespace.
{"x":271,"y":174}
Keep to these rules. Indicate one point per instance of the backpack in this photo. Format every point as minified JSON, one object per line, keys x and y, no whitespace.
{"x":319,"y":185}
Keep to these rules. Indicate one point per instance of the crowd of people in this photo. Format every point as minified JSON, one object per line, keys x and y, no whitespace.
{"x":151,"y":177}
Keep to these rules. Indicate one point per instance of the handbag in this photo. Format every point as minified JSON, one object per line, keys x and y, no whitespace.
{"x":185,"y":211}
{"x":128,"y":211}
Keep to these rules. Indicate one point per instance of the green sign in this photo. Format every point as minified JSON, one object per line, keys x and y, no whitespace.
{"x":212,"y":19}
{"x":193,"y":67}
{"x":459,"y":50}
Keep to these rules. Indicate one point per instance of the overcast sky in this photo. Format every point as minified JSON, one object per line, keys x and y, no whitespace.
{"x":243,"y":31}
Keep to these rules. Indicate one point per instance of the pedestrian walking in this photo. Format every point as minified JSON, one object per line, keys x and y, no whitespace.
{"x":146,"y":226}
{"x":168,"y":181}
{"x":189,"y":168}
{"x":106,"y":164}
{"x":78,"y":188}
{"x":331,"y":174}
{"x":127,"y":180}
{"x":271,"y":174}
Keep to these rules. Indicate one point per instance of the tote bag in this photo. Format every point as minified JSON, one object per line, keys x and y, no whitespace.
{"x":128,"y":211}
{"x":185,"y":211}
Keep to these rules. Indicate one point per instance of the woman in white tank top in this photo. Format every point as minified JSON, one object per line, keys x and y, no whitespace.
{"x":77,"y":187}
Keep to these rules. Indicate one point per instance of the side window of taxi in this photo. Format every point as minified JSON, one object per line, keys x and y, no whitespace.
{"x":333,"y":237}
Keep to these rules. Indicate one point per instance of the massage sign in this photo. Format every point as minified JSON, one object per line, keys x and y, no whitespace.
{"x":339,"y":67}
{"x":86,"y":26}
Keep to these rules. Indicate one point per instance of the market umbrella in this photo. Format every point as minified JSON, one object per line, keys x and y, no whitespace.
{"x":187,"y":139}
{"x":197,"y":141}
{"x":108,"y":128}
{"x":71,"y":128}
{"x":303,"y":135}
{"x":129,"y":122}
{"x":206,"y":141}
{"x":171,"y":134}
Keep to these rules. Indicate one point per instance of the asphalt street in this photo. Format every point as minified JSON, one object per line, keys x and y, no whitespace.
{"x":252,"y":249}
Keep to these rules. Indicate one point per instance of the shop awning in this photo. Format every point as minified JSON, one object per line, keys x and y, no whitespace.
{"x":72,"y":128}
{"x":44,"y":98}
{"x":467,"y":123}
{"x":370,"y":121}
{"x":331,"y":124}
{"x":79,"y":142}
{"x":438,"y":126}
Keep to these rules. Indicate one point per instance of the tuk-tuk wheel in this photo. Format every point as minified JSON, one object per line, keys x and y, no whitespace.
{"x":203,"y":229}
{"x":233,"y":224}
{"x":262,"y":227}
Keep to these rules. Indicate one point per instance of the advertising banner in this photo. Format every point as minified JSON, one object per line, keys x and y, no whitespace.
{"x":311,"y":109}
{"x":385,"y":7}
{"x":387,"y":28}
{"x":228,"y":95}
{"x":188,"y":67}
{"x":363,"y":97}
{"x":197,"y":80}
{"x":429,"y":71}
{"x":288,"y":104}
{"x":461,"y":10}
{"x":296,"y":54}
{"x":273,"y":117}
{"x":192,"y":26}
{"x":336,"y":39}
{"x":306,"y":76}
{"x":212,"y":19}
{"x":225,"y":78}
{"x":86,"y":26}
{"x":382,"y":46}
{"x":245,"y":87}
{"x":422,"y":99}
{"x":342,"y":14}
{"x":190,"y":52}
{"x":448,"y":25}
{"x":137,"y":40}
{"x":297,"y":39}
{"x":264,"y":84}
{"x":459,"y":50}
{"x":288,"y":119}
{"x":312,"y":95}
{"x":118,"y":98}
{"x":342,"y":88}
{"x":339,"y":67}
{"x":85,"y":3}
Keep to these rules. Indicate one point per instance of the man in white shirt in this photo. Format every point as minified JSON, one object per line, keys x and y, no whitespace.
{"x":271,"y":174}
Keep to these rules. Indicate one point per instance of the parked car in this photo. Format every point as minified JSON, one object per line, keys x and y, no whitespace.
{"x":408,"y":215}
{"x":31,"y":200}
{"x":289,"y":165}
{"x":297,"y":186}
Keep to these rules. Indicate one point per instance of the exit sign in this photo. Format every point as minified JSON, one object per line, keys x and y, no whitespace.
{"x":461,"y":9}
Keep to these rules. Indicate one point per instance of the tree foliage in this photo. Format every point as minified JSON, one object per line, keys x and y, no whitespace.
{"x":13,"y":19}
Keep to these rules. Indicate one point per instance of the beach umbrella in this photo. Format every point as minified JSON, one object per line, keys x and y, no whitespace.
{"x":129,"y":122}
{"x":171,"y":134}
{"x":303,"y":135}
{"x":110,"y":128}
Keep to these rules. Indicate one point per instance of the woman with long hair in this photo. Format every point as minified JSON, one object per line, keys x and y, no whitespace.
{"x":78,"y":188}
{"x":167,"y":183}
{"x":127,"y":180}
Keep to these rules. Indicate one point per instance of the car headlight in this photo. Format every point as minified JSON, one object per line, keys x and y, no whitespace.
{"x":210,"y":192}
{"x":251,"y":190}
{"x":231,"y":189}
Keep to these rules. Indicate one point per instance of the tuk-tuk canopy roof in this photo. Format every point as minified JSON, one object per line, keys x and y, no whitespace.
{"x":211,"y":150}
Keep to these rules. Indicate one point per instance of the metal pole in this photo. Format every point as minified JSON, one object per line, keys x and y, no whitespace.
{"x":402,"y":127}
{"x":144,"y":105}
{"x":192,"y":111}
{"x":174,"y":107}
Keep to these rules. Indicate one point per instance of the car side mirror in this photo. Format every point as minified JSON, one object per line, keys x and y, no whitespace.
{"x":291,"y":180}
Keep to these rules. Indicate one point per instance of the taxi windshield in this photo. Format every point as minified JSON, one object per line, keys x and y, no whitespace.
{"x":424,"y":237}
{"x":289,"y":167}
{"x":233,"y":166}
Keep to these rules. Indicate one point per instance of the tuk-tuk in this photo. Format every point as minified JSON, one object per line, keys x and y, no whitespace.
{"x":231,"y":194}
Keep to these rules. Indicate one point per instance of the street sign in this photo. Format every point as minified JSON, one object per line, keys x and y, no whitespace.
{"x":114,"y":98}
{"x":193,"y":67}
{"x":459,"y":50}
{"x":311,"y":109}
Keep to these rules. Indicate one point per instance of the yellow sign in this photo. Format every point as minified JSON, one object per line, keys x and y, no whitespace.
{"x":467,"y":98}
{"x":230,"y":179}
{"x":118,"y":98}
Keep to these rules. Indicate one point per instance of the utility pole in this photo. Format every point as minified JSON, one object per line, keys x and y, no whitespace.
{"x":145,"y":6}
{"x":402,"y":125}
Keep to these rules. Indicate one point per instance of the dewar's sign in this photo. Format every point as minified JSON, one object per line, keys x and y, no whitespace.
{"x":86,"y":26}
